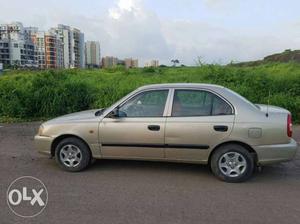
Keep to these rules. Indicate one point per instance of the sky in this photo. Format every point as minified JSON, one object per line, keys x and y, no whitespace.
{"x":216,"y":31}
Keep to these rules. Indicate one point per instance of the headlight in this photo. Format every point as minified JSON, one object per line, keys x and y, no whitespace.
{"x":41,"y":129}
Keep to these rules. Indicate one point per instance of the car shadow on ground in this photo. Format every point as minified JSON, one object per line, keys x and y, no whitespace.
{"x":267,"y":173}
{"x":152,"y":166}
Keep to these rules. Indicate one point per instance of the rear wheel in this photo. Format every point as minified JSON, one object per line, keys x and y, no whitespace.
{"x":72,"y":154}
{"x":232,"y":163}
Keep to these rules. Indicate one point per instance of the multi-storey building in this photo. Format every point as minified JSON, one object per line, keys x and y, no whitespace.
{"x":131,"y":63}
{"x":152,"y":63}
{"x":61,"y":47}
{"x":38,"y":38}
{"x":5,"y":52}
{"x":92,"y":54}
{"x":16,"y":47}
{"x":48,"y":49}
{"x":73,"y":46}
{"x":109,"y":62}
{"x":53,"y":51}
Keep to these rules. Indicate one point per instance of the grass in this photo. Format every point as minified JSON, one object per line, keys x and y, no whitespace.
{"x":35,"y":95}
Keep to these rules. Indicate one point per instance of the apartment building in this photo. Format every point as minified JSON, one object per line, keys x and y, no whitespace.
{"x":38,"y":38}
{"x":92,"y":54}
{"x":152,"y":63}
{"x":48,"y":49}
{"x":16,"y":46}
{"x":109,"y":62}
{"x":131,"y":63}
{"x":72,"y":40}
{"x":4,"y":52}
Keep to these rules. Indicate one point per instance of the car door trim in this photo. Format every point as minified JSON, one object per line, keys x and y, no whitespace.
{"x":173,"y":146}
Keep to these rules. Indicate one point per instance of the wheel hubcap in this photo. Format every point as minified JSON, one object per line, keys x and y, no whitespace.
{"x":232,"y":164}
{"x":70,"y":155}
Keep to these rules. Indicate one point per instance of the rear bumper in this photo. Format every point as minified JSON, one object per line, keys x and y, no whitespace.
{"x":268,"y":154}
{"x":43,"y":144}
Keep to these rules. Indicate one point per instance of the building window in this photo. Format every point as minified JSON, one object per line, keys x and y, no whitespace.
{"x":16,"y":45}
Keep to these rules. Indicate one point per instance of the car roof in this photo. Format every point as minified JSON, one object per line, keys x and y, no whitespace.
{"x":180,"y":85}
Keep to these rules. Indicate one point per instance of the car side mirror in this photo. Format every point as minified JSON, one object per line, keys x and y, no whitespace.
{"x":114,"y":113}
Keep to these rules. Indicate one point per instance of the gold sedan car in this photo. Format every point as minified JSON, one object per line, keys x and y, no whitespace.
{"x":190,"y":123}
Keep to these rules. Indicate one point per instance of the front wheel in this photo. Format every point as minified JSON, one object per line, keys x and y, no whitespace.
{"x":232,"y":163}
{"x":72,"y":154}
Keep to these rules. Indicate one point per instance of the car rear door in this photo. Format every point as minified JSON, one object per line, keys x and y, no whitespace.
{"x":140,"y":129}
{"x":197,"y":120}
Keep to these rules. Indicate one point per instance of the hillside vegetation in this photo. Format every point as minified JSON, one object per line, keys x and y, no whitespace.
{"x":27,"y":95}
{"x":285,"y":57}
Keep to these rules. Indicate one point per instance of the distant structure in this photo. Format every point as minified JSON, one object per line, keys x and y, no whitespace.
{"x":73,"y":45}
{"x":16,"y":47}
{"x":48,"y":49}
{"x":152,"y":63}
{"x":131,"y":63}
{"x":92,"y":54}
{"x":60,"y":47}
{"x":1,"y":68}
{"x":109,"y":62}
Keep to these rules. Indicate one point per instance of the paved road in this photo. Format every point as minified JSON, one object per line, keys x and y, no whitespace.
{"x":146,"y":192}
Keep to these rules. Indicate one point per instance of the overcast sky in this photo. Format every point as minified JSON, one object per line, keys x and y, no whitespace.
{"x":218,"y":31}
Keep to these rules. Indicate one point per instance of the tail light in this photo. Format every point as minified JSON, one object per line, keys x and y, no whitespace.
{"x":289,"y":125}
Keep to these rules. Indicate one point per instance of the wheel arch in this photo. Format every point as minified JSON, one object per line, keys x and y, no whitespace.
{"x":58,"y":139}
{"x":245,"y":145}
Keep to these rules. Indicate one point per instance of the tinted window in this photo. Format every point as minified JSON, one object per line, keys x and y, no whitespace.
{"x":220,"y":107}
{"x":146,"y":104}
{"x":198,"y":103}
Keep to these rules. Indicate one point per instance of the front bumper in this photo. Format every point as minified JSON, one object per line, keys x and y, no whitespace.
{"x":268,"y":154}
{"x":43,"y":144}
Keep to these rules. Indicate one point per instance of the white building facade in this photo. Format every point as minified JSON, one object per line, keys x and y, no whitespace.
{"x":16,"y":46}
{"x":72,"y":40}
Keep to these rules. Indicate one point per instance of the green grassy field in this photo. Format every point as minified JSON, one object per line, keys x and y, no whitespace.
{"x":28,"y":95}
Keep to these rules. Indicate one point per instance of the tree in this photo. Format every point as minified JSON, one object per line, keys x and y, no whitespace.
{"x":175,"y":61}
{"x":199,"y":61}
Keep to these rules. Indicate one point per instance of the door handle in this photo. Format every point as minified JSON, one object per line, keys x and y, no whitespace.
{"x":221,"y":128}
{"x":154,"y":127}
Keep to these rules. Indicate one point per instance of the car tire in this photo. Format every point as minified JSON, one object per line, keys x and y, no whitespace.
{"x":72,"y":154}
{"x":232,"y":163}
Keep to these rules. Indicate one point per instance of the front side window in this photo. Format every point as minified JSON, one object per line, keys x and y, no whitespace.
{"x":188,"y":103}
{"x":146,"y":104}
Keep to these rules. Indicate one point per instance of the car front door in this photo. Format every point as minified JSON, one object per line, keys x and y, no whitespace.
{"x":138,"y":131}
{"x":197,"y":121}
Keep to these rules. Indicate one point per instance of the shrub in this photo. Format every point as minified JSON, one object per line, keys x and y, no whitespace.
{"x":26,"y":95}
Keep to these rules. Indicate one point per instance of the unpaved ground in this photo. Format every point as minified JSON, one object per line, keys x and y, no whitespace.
{"x":146,"y":192}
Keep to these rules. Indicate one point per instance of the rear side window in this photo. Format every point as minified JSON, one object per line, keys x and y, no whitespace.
{"x":188,"y":103}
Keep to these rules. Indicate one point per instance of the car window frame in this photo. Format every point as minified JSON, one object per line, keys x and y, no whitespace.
{"x":166,"y":107}
{"x":199,"y":89}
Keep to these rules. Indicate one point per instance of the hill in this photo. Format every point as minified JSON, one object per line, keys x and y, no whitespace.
{"x":284,"y":57}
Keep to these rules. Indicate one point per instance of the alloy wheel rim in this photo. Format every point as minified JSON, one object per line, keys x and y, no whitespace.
{"x":70,"y":155}
{"x":232,"y":164}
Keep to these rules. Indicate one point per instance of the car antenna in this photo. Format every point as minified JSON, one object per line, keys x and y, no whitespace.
{"x":267,"y":114}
